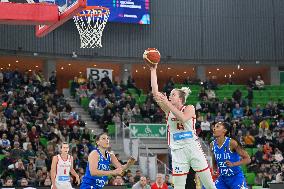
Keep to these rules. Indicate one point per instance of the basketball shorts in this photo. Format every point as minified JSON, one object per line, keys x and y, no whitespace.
{"x":191,"y":155}
{"x":63,"y":185}
{"x":231,"y":182}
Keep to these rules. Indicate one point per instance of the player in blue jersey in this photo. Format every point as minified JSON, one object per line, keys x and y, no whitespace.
{"x":228,"y":156}
{"x":98,"y":167}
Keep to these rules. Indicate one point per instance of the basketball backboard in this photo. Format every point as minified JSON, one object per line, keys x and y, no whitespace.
{"x":67,"y":9}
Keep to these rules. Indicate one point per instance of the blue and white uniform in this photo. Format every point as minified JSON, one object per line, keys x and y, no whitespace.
{"x":97,"y":182}
{"x":230,"y":177}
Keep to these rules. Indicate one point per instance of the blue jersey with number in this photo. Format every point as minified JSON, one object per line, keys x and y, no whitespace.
{"x":223,"y":154}
{"x":97,"y":181}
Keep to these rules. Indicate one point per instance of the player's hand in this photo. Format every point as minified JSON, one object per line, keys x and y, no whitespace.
{"x":229,"y":164}
{"x":53,"y":186}
{"x":78,"y":180}
{"x":118,"y":171}
{"x":160,"y":97}
{"x":131,"y":161}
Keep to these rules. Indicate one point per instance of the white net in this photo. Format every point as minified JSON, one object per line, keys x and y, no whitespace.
{"x":90,"y":24}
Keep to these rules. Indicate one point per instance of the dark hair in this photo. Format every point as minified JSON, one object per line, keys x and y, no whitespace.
{"x":227,"y":126}
{"x":99,"y":136}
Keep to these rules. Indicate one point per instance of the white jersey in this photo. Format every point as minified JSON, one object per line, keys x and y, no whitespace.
{"x":63,"y":169}
{"x":179,"y":133}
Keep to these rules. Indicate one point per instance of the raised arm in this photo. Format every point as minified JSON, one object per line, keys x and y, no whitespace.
{"x":155,"y":88}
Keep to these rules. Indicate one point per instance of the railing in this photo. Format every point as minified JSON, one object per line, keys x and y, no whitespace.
{"x":161,"y":166}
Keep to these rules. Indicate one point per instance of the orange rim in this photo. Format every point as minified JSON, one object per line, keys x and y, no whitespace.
{"x":104,"y":10}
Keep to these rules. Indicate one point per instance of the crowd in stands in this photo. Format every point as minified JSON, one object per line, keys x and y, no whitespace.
{"x":35,"y":119}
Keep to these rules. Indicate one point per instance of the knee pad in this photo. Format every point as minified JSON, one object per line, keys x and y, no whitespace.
{"x":179,"y":181}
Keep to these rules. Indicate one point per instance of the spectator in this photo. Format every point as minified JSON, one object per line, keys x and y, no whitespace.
{"x":141,"y":184}
{"x":40,"y":161}
{"x":24,"y":182}
{"x":159,"y":184}
{"x":250,"y":96}
{"x":8,"y":182}
{"x":251,"y":83}
{"x":167,"y":180}
{"x":118,"y":181}
{"x":249,"y":140}
{"x":5,"y":144}
{"x":237,"y":95}
{"x":137,"y":175}
{"x":238,"y":112}
{"x":47,"y":181}
{"x":258,"y":179}
{"x":259,"y":83}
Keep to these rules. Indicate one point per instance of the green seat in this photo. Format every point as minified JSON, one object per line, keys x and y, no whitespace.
{"x":250,"y":178}
{"x":256,"y":187}
{"x":111,"y":129}
{"x":254,"y":150}
{"x":249,"y":151}
{"x":85,"y":103}
{"x":244,"y":168}
{"x":43,"y":141}
{"x":2,"y":156}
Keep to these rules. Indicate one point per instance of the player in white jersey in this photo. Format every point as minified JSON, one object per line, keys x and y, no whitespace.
{"x":185,"y":148}
{"x":61,"y":167}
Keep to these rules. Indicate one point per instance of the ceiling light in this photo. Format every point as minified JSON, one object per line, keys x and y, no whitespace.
{"x":17,"y":61}
{"x":95,"y":65}
{"x":218,"y":69}
{"x":30,"y":70}
{"x":242,"y":69}
{"x":144,"y":67}
{"x":9,"y":65}
{"x":136,"y":71}
{"x":184,"y":72}
{"x":239,"y":66}
{"x":169,"y":68}
{"x":62,"y":68}
{"x":69,"y":64}
{"x":225,"y":75}
{"x":177,"y":75}
{"x":209,"y":72}
{"x":233,"y":73}
{"x":36,"y":66}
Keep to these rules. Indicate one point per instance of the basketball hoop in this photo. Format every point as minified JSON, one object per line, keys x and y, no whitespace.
{"x":90,"y":24}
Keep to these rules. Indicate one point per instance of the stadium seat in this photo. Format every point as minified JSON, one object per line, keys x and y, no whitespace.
{"x":254,"y":150}
{"x":43,"y":141}
{"x":2,"y":156}
{"x":256,"y":187}
{"x":111,"y":129}
{"x":85,"y":103}
{"x":244,"y":168}
{"x":249,"y":151}
{"x":250,"y":178}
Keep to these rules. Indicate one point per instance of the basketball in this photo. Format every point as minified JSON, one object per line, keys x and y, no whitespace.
{"x":151,"y":56}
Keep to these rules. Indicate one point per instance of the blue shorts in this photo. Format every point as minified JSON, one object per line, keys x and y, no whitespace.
{"x":231,"y":182}
{"x":88,"y":186}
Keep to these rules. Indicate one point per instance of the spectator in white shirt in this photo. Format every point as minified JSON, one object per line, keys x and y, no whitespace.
{"x":259,"y":83}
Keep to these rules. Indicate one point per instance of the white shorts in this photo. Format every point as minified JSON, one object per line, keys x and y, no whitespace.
{"x":191,"y":155}
{"x":63,"y":185}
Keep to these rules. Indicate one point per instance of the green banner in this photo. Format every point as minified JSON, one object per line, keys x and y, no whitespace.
{"x":143,"y":130}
